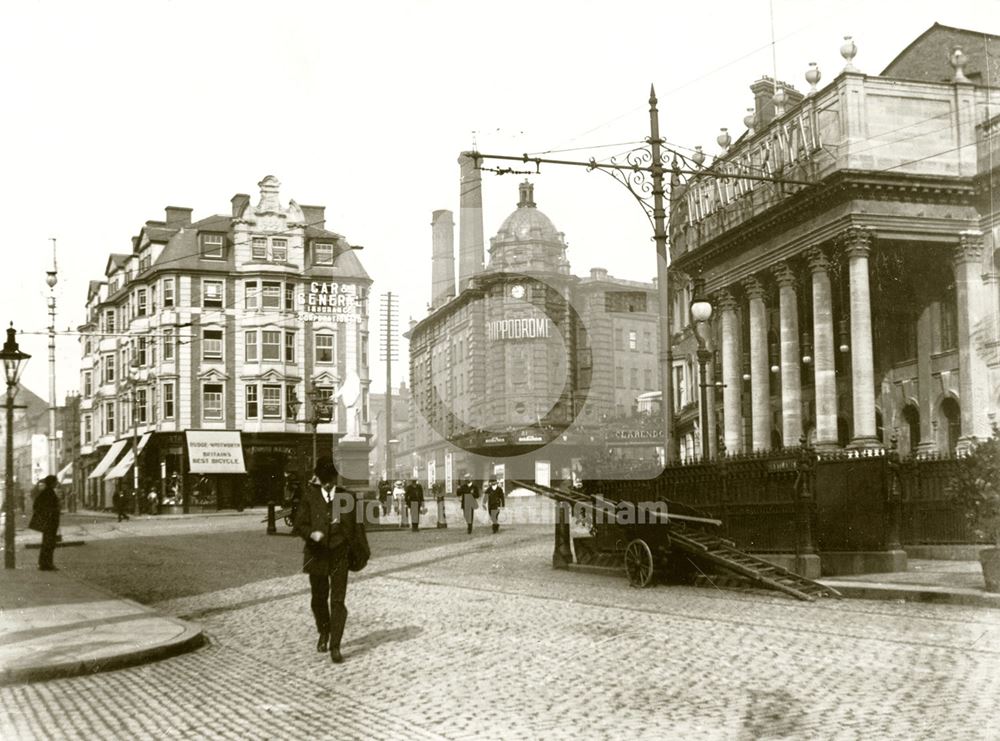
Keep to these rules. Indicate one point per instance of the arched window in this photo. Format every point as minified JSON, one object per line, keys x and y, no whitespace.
{"x":953,"y":418}
{"x":911,"y":415}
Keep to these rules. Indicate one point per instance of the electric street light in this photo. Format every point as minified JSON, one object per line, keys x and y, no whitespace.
{"x":701,"y":311}
{"x":13,"y":364}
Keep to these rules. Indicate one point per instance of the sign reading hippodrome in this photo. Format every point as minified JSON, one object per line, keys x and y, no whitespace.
{"x":519,"y":329}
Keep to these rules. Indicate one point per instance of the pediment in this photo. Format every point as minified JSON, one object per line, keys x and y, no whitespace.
{"x":213,"y":374}
{"x":326,"y":378}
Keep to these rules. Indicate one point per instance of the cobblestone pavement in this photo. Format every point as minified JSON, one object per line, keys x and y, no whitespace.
{"x":482,"y":639}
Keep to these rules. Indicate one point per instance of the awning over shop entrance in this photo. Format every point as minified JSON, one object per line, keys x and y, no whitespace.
{"x":66,"y":474}
{"x":110,"y":457}
{"x":123,"y":466}
{"x":215,"y":451}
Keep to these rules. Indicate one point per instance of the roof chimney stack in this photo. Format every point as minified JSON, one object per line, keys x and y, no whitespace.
{"x":470,"y":236}
{"x":442,"y":258}
{"x":178,"y":217}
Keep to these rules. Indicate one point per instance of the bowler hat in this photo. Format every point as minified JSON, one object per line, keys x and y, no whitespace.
{"x":50,"y":480}
{"x":325,"y":469}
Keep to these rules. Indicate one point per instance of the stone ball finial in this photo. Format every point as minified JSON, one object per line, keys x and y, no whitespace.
{"x":813,"y":76}
{"x":958,"y":61}
{"x":779,"y":98}
{"x":848,"y":50}
{"x":724,"y":139}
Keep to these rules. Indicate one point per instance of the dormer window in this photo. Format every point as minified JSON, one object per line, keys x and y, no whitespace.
{"x":212,"y":246}
{"x":323,"y":253}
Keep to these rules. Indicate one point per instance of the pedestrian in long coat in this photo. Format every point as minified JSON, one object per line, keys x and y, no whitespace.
{"x":414,"y":497}
{"x":494,"y":501}
{"x":45,"y":519}
{"x":468,"y":495}
{"x":327,"y":521}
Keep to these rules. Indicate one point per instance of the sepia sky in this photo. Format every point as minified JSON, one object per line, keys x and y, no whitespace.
{"x":114,"y":110}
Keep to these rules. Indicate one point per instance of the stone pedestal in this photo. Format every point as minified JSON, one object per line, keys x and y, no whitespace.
{"x":351,"y":457}
{"x":842,"y":563}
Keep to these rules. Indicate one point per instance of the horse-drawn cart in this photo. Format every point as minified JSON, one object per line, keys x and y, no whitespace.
{"x":671,"y":539}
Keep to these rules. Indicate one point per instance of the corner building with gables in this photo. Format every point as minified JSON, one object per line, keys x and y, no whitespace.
{"x":231,"y":333}
{"x":860,"y":299}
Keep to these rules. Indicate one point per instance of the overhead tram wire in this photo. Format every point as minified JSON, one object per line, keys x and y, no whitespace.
{"x":692,"y":81}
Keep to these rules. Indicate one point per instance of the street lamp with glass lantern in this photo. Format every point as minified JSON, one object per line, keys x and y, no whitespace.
{"x":13,"y":364}
{"x":322,"y":413}
{"x":701,"y":312}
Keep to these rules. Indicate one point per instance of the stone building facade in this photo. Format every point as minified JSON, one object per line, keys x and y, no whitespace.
{"x":528,"y":365}
{"x":229,"y":324}
{"x":860,"y":300}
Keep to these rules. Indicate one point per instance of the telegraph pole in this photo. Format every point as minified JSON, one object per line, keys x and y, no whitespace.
{"x":389,"y":312}
{"x":51,"y":278}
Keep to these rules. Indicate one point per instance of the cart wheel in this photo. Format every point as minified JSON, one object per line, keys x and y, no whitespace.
{"x":638,"y":563}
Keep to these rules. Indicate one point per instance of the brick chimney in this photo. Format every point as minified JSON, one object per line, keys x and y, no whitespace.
{"x":178,"y":217}
{"x":442,"y":257}
{"x":763,"y":92}
{"x":315,"y":216}
{"x":470,"y":227}
{"x":240,"y":203}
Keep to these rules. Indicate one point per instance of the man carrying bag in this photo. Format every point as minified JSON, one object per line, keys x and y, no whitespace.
{"x":335,"y":542}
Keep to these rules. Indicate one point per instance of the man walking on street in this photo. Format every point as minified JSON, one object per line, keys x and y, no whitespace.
{"x":415,"y":503}
{"x":45,"y":519}
{"x":326,"y":520}
{"x":468,"y":497}
{"x":120,"y":501}
{"x":494,"y":501}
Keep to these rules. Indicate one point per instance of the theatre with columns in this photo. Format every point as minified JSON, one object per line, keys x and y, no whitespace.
{"x":857,"y":295}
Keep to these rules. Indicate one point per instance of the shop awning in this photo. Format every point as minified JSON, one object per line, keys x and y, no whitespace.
{"x":215,"y":451}
{"x":123,"y":466}
{"x":110,"y":457}
{"x":65,"y":476}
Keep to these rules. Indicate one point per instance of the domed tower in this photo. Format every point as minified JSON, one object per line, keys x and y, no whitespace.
{"x":527,"y":241}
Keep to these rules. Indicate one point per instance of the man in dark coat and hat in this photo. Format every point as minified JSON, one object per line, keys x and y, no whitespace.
{"x":468,"y":495}
{"x":494,"y":501}
{"x":45,"y":519}
{"x":326,"y":520}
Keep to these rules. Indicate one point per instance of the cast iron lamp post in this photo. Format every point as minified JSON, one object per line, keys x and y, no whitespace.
{"x":322,"y":412}
{"x":701,"y":311}
{"x":13,"y":364}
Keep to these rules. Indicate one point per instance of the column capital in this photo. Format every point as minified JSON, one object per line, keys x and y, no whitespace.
{"x":725,"y":301}
{"x":855,"y":241}
{"x":784,"y":275}
{"x":817,"y":259}
{"x":969,"y":247}
{"x":753,"y":288}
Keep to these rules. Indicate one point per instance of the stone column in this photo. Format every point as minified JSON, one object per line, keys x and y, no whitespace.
{"x":973,"y":378}
{"x":856,"y":242}
{"x":760,"y":383}
{"x":824,"y":365}
{"x":732,"y":373}
{"x":791,"y":378}
{"x":925,"y":348}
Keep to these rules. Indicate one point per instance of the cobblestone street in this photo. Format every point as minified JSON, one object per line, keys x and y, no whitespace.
{"x":480,"y":638}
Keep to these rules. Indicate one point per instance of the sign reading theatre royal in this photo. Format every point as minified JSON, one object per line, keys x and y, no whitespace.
{"x":336,"y":302}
